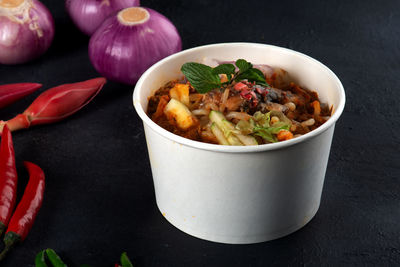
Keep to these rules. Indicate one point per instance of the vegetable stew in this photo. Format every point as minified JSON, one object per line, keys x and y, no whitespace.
{"x":236,"y":104}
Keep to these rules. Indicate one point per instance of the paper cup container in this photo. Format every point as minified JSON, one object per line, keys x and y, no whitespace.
{"x":246,"y":194}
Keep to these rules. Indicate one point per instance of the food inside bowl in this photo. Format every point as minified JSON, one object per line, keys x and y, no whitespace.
{"x":236,"y":103}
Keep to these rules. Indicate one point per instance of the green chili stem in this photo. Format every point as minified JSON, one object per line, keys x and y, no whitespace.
{"x":10,"y":240}
{"x":5,"y":251}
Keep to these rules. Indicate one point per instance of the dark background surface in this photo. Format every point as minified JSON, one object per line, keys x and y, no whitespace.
{"x":100,"y":201}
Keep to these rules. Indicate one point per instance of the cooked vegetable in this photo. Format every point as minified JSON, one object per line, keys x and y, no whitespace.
{"x":237,"y":104}
{"x":25,"y":214}
{"x":89,"y":14}
{"x":180,"y":113}
{"x":26,"y":30}
{"x":56,"y":104}
{"x":129,"y":42}
{"x":219,"y":134}
{"x":284,"y":135}
{"x":180,"y":92}
{"x":226,"y":127}
{"x":233,"y":136}
{"x":8,"y":179}
{"x":268,"y":130}
{"x":9,"y":93}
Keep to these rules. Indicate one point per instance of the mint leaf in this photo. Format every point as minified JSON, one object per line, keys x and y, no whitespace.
{"x":252,"y":75}
{"x":247,"y":72}
{"x":243,"y":65}
{"x":201,"y":77}
{"x":204,"y":78}
{"x":227,"y":69}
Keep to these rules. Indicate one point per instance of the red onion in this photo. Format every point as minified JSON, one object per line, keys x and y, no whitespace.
{"x":128,"y":43}
{"x":26,"y":30}
{"x":89,"y":14}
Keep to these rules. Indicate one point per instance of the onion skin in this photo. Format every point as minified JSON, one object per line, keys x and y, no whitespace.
{"x":22,"y":40}
{"x":122,"y":53}
{"x":88,"y":15}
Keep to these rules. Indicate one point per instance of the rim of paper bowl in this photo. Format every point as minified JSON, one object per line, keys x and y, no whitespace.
{"x":237,"y":149}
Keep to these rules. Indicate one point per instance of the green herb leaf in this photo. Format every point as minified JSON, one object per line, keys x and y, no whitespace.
{"x":243,"y":65}
{"x":252,"y":75}
{"x":260,"y":77}
{"x":227,"y":69}
{"x":247,"y":72}
{"x":201,"y":77}
{"x":204,"y":78}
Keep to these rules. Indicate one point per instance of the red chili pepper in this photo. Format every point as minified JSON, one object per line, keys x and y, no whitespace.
{"x":8,"y":178}
{"x":56,"y":104}
{"x":25,"y":213}
{"x":9,"y":93}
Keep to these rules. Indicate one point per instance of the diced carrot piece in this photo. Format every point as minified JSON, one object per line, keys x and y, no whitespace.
{"x":284,"y":135}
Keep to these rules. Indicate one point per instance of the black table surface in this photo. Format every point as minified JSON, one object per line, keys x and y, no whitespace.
{"x":100,"y":198}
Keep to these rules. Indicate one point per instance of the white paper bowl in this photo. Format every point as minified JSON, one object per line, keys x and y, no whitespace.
{"x":240,"y":195}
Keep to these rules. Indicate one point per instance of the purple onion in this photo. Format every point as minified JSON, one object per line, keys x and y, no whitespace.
{"x":129,"y":42}
{"x":26,"y":30}
{"x":89,"y":14}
